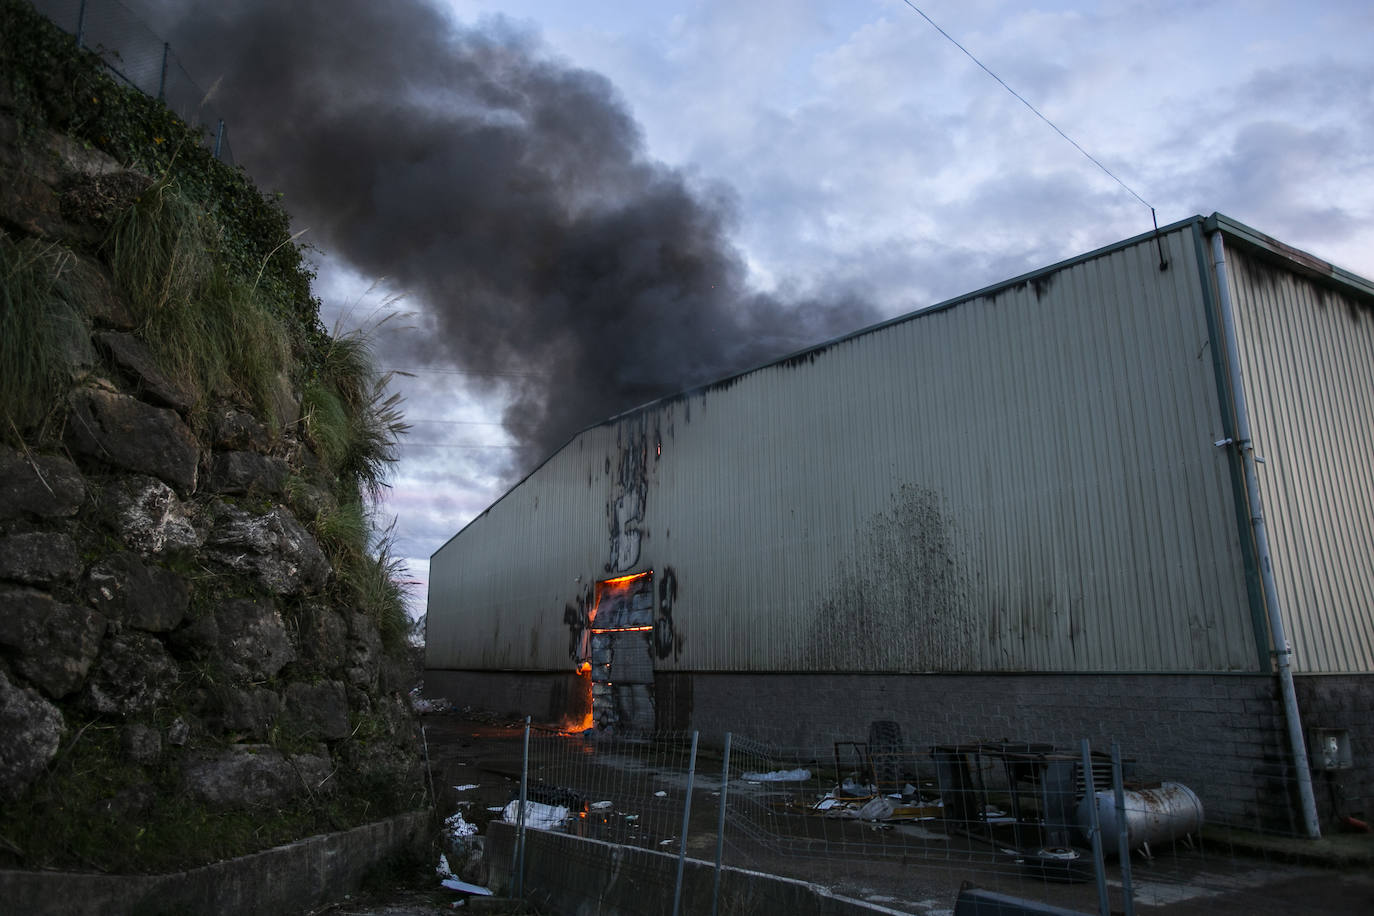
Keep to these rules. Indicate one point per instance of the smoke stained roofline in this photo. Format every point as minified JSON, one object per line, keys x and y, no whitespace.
{"x":1295,"y":259}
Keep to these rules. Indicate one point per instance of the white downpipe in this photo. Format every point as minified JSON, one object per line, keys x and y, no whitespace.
{"x":1282,"y":651}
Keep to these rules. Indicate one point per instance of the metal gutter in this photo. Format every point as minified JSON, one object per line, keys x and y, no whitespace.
{"x":1254,"y":589}
{"x":1245,"y":447}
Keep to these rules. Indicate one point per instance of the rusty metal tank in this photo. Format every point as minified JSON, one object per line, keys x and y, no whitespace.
{"x":1157,"y":814}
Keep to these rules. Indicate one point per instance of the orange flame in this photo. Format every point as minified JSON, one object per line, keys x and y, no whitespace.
{"x":584,"y":671}
{"x":623,"y":579}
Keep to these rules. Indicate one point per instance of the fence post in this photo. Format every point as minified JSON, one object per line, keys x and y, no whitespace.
{"x":1095,"y":831}
{"x":686,"y":822}
{"x":720,"y":824}
{"x":81,"y":24}
{"x":520,"y":828}
{"x":162,"y":79}
{"x":1123,"y":849}
{"x":219,"y":137}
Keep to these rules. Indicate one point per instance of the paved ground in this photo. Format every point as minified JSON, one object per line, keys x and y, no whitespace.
{"x":916,"y":867}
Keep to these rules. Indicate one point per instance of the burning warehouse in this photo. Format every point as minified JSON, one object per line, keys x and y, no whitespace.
{"x":1100,"y":500}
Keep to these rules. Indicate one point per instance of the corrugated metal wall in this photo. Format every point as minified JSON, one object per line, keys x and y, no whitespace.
{"x":1022,"y":481}
{"x":1307,"y":356}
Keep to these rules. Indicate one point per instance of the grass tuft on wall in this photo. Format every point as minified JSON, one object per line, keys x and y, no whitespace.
{"x":44,"y":333}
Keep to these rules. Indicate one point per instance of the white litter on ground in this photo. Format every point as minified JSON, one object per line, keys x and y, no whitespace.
{"x":424,"y":706}
{"x":472,"y":785}
{"x":456,"y":826}
{"x":537,"y":815}
{"x":661,"y":794}
{"x":797,"y":775}
{"x":496,"y":807}
{"x":877,"y":809}
{"x":601,"y":804}
{"x":454,"y":884}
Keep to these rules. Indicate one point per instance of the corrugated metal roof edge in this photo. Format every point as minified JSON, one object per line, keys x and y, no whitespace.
{"x":1211,"y":223}
{"x":1295,"y":258}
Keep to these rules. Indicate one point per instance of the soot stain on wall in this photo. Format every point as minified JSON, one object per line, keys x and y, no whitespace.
{"x":901,"y":603}
{"x":577,"y":618}
{"x":628,"y":493}
{"x":665,"y":638}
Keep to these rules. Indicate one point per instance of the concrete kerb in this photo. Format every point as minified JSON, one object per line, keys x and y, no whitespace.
{"x":584,"y":875}
{"x":1334,"y":850}
{"x":286,"y":879}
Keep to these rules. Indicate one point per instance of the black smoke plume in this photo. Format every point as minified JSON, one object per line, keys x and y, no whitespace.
{"x":508,"y":193}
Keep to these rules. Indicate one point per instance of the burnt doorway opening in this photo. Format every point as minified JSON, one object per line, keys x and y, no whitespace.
{"x":620,"y":653}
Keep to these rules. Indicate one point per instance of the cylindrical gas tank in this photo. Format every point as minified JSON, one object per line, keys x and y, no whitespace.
{"x":1155,"y":815}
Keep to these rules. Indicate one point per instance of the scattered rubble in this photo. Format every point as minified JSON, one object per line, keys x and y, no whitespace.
{"x":797,"y":775}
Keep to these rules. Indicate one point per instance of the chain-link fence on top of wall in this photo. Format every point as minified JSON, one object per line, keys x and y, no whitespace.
{"x":899,"y":826}
{"x":134,"y":54}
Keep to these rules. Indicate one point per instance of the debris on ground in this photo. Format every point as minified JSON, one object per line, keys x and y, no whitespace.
{"x":456,"y":826}
{"x":455,"y":884}
{"x":797,"y":775}
{"x":426,"y":706}
{"x":914,"y":806}
{"x":537,"y":815}
{"x":877,"y":809}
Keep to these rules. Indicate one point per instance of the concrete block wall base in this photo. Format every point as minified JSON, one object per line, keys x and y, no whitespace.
{"x":1340,"y":704}
{"x":287,"y":879}
{"x":1222,"y":735}
{"x":578,"y":875}
{"x":545,"y":695}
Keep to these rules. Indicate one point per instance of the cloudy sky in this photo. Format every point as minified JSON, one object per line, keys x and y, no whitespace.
{"x":748,"y":177}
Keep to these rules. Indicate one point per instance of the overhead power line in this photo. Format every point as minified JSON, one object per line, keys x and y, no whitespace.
{"x":1023,"y":101}
{"x":406,"y":444}
{"x":494,"y":373}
